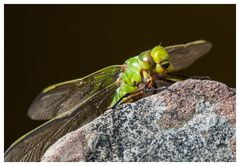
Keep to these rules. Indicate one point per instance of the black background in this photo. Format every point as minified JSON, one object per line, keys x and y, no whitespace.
{"x":47,"y":44}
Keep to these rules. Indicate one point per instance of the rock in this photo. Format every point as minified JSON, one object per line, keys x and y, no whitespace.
{"x":192,"y":120}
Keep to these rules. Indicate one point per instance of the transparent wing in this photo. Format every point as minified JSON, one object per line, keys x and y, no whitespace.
{"x":32,"y":146}
{"x":62,"y":97}
{"x":183,"y":55}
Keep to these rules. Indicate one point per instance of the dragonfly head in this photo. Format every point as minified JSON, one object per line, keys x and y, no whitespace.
{"x":162,"y":60}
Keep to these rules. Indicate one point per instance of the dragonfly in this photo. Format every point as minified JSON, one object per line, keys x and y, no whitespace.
{"x":71,"y":104}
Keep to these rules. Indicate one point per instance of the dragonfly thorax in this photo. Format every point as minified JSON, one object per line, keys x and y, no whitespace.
{"x":140,"y":69}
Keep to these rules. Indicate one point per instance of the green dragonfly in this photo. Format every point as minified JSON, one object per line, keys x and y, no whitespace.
{"x":71,"y":104}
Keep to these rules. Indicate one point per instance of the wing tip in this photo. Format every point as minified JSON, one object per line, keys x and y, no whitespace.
{"x":33,"y":111}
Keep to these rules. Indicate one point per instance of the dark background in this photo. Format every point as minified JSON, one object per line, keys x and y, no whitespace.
{"x":47,"y":44}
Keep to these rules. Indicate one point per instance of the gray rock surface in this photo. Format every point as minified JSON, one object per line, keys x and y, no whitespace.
{"x":193,"y":120}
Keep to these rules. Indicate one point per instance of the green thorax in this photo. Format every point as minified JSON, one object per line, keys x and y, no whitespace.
{"x":140,"y":68}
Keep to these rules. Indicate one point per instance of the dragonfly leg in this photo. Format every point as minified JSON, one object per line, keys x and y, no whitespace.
{"x":127,"y":95}
{"x":157,"y":89}
{"x":134,"y":94}
{"x":183,"y":77}
{"x":201,"y":77}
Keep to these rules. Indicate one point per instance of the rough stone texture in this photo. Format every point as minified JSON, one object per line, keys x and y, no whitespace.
{"x":193,"y":120}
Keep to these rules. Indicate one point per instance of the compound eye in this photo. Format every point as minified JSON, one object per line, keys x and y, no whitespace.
{"x":165,"y":65}
{"x":146,"y":61}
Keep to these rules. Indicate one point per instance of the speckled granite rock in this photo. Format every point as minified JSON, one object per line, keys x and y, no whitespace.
{"x":193,"y":120}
